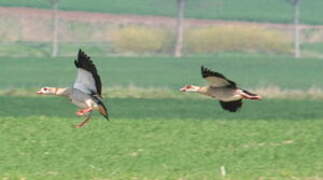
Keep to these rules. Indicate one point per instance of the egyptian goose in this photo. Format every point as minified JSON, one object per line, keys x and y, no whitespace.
{"x":86,"y":90}
{"x":222,"y":89}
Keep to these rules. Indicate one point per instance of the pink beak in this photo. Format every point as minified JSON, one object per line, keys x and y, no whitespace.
{"x":39,"y":92}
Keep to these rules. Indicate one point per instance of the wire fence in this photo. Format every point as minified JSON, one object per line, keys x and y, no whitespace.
{"x":29,"y":32}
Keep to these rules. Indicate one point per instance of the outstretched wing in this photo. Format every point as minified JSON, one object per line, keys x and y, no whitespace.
{"x":231,"y":106}
{"x":87,"y":78}
{"x":216,"y":79}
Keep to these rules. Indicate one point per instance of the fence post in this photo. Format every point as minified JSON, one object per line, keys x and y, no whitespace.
{"x":179,"y":27}
{"x":55,"y":29}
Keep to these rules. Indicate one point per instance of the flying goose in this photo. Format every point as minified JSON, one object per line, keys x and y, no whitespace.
{"x":222,"y":89}
{"x":86,"y":90}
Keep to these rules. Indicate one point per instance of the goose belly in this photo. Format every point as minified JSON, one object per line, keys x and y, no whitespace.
{"x":225,"y":94}
{"x":231,"y":98}
{"x":81,"y":99}
{"x":80,"y":104}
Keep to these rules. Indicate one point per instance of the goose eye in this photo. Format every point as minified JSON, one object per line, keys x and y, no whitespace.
{"x":45,"y":89}
{"x":189,"y":86}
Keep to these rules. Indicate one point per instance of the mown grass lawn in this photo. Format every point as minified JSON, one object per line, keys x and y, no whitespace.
{"x":161,"y":139}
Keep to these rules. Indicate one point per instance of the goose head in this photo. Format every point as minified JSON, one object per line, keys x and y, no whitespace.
{"x":47,"y":91}
{"x":190,"y":88}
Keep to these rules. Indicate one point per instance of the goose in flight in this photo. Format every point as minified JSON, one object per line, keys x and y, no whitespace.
{"x":86,"y":90}
{"x":222,"y":89}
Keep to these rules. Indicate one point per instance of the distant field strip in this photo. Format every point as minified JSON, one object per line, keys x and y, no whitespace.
{"x":251,"y":10}
{"x":250,"y":72}
{"x":166,"y":108}
{"x":159,"y":93}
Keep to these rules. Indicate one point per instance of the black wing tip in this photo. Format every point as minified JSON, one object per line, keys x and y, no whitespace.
{"x":231,"y":106}
{"x":82,"y":55}
{"x":81,"y":51}
{"x":76,"y":63}
{"x":83,"y":60}
{"x":207,"y":72}
{"x":203,"y":68}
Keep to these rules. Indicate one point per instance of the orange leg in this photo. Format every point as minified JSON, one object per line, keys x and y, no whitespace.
{"x":82,"y":112}
{"x":83,"y":122}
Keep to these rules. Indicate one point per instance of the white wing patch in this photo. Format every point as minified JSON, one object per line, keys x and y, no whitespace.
{"x":217,"y":81}
{"x":85,"y":82}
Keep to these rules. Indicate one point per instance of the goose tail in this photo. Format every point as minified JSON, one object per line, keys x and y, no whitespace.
{"x":249,"y":95}
{"x":103,"y":111}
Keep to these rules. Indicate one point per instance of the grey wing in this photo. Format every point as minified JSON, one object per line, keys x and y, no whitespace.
{"x":216,"y":79}
{"x":87,"y":79}
{"x":85,"y":82}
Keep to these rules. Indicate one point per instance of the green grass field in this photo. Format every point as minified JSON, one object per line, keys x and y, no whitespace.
{"x":251,"y":10}
{"x":161,"y":139}
{"x":169,"y":138}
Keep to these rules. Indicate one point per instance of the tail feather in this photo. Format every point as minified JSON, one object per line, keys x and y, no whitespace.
{"x":248,"y":95}
{"x":103,"y":111}
{"x":101,"y":107}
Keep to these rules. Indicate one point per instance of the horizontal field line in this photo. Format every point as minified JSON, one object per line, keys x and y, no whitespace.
{"x":270,"y":92}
